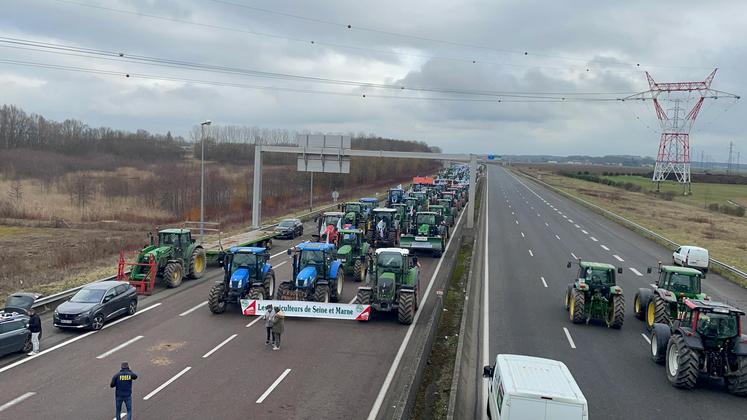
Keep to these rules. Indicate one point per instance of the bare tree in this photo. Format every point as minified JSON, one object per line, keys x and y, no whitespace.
{"x":16,"y":192}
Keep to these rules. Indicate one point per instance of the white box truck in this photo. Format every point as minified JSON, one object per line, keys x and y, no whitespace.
{"x":533,"y":388}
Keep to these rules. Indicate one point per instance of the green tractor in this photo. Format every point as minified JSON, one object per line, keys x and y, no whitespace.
{"x":385,"y":230}
{"x":353,"y":252}
{"x":394,"y":196}
{"x":595,"y":295}
{"x":353,"y":215}
{"x":422,"y":198}
{"x":452,"y":197}
{"x":392,"y":284}
{"x":402,"y":215}
{"x":176,"y":255}
{"x":427,"y":234}
{"x":665,"y":299}
{"x":443,"y":207}
{"x":705,"y":338}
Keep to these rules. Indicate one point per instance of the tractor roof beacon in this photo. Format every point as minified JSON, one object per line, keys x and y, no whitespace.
{"x":662,"y":302}
{"x":595,"y":295}
{"x":247,"y":274}
{"x":705,"y":338}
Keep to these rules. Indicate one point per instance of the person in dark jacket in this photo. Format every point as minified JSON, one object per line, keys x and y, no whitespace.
{"x":35,"y":326}
{"x":278,"y":326}
{"x":122,"y":381}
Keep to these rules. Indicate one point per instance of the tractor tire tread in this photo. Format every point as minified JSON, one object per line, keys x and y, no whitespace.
{"x":737,"y":382}
{"x":168,"y":275}
{"x":688,"y":361}
{"x":579,"y":300}
{"x":406,"y":308}
{"x":618,"y":315}
{"x":215,"y":304}
{"x":193,"y":274}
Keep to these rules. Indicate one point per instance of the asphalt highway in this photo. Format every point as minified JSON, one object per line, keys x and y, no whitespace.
{"x":531,"y":234}
{"x":194,"y":364}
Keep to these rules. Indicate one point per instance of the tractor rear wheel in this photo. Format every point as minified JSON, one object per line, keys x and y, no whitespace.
{"x":638,"y":306}
{"x":321,"y":294}
{"x":283,"y":290}
{"x":216,"y":298}
{"x":682,"y":363}
{"x":406,"y":308}
{"x":172,"y":275}
{"x":657,"y":310}
{"x":576,"y":310}
{"x":363,"y":297}
{"x":339,"y":281}
{"x":568,"y":294}
{"x":659,"y":341}
{"x":616,"y":312}
{"x":269,"y":284}
{"x":257,"y":293}
{"x":197,"y":263}
{"x":737,"y":382}
{"x":359,"y":271}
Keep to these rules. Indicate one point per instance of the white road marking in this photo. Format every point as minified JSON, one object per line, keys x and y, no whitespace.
{"x":538,"y":215}
{"x":618,"y":258}
{"x":273,"y":386}
{"x":557,"y":237}
{"x":577,"y":226}
{"x":285,"y":251}
{"x":531,"y":207}
{"x":594,"y":239}
{"x":604,"y":247}
{"x":574,"y":256}
{"x":568,"y":336}
{"x":280,"y":265}
{"x":637,"y":273}
{"x":253,"y":322}
{"x":648,"y":340}
{"x":543,"y":281}
{"x":560,"y":212}
{"x":167,"y":383}
{"x":70,"y":341}
{"x":584,"y":232}
{"x":142,"y":311}
{"x":189,"y":311}
{"x":547,"y":224}
{"x":512,"y":213}
{"x":522,"y":235}
{"x":16,"y":400}
{"x":119,"y":347}
{"x":408,"y":335}
{"x":530,"y":253}
{"x":570,"y":220}
{"x":223,"y":343}
{"x":517,"y":222}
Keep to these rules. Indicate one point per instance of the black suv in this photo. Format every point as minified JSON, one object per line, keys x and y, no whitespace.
{"x":95,"y":304}
{"x":289,"y":229}
{"x":14,"y":333}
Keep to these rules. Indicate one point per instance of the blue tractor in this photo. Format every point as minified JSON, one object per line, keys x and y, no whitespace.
{"x":247,"y":274}
{"x":317,"y":274}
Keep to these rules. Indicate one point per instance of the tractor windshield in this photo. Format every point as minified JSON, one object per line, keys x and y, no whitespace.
{"x":354,"y":207}
{"x":681,"y":283}
{"x":390,"y":262}
{"x":426,"y":219}
{"x":349,"y":238}
{"x":597,"y":278}
{"x":169,"y":239}
{"x":717,"y":326}
{"x":331,"y":220}
{"x":244,"y":260}
{"x":312,"y":257}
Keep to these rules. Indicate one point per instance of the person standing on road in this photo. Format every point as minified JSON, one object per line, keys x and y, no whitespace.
{"x":278,"y":326}
{"x":268,"y":315}
{"x":122,"y":381}
{"x":35,"y":327}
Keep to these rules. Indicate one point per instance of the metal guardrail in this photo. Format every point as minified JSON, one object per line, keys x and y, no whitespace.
{"x":733,"y":270}
{"x":45,"y":301}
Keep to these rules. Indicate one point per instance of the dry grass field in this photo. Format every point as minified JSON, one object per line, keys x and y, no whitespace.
{"x":683,"y":221}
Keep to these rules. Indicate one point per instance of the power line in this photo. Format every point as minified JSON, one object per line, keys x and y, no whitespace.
{"x":75,"y":51}
{"x":351,"y":27}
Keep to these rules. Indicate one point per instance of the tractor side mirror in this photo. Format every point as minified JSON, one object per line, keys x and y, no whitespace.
{"x":289,"y":252}
{"x":649,"y":270}
{"x":619,"y":270}
{"x":569,"y":265}
{"x":487,"y":371}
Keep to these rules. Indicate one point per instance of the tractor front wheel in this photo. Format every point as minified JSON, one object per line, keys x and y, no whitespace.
{"x":736,"y":383}
{"x":321,"y":294}
{"x":406,"y":308}
{"x":217,"y":299}
{"x":172,"y":275}
{"x":283,"y":290}
{"x":338,"y":287}
{"x":616,"y":315}
{"x":269,"y":284}
{"x":359,"y":271}
{"x":363,"y":297}
{"x":657,"y":310}
{"x":197,"y":263}
{"x":576,"y":311}
{"x":682,"y":363}
{"x":257,"y":293}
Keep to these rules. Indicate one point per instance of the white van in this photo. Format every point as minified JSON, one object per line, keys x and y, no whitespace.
{"x":533,"y":388}
{"x":691,"y":256}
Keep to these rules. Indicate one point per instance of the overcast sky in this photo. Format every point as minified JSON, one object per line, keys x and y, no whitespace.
{"x":580,"y":46}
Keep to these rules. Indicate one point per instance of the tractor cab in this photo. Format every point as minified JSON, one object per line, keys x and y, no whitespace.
{"x":421,"y":197}
{"x":178,"y":239}
{"x":369,"y":203}
{"x":395,"y":196}
{"x":683,"y":281}
{"x":428,"y":223}
{"x":596,"y":275}
{"x":328,"y":224}
{"x":350,"y":238}
{"x":244,"y":266}
{"x":411,"y":203}
{"x":385,"y":227}
{"x":595,"y":295}
{"x":317,"y":274}
{"x":352,"y":214}
{"x":437,"y":208}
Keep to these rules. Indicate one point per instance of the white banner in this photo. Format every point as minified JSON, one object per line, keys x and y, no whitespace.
{"x":305,"y":309}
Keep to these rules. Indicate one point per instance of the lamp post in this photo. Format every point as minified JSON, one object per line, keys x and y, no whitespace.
{"x":202,"y":180}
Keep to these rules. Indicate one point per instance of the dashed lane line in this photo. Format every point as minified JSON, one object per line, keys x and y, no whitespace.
{"x":617,"y":257}
{"x":16,"y":400}
{"x":604,"y":247}
{"x":594,"y":239}
{"x":119,"y":347}
{"x":273,"y":386}
{"x":648,"y":340}
{"x":637,"y":273}
{"x":558,"y":237}
{"x":530,"y":253}
{"x":216,"y":348}
{"x":194,"y":308}
{"x":522,"y":235}
{"x":574,"y":256}
{"x":584,"y":232}
{"x":167,"y":383}
{"x":570,"y":339}
{"x":544,"y":283}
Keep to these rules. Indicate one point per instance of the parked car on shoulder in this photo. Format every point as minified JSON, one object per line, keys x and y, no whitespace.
{"x":533,"y":388}
{"x":20,"y":302}
{"x":15,"y":336}
{"x":289,"y":228}
{"x":95,"y":304}
{"x":691,"y":256}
